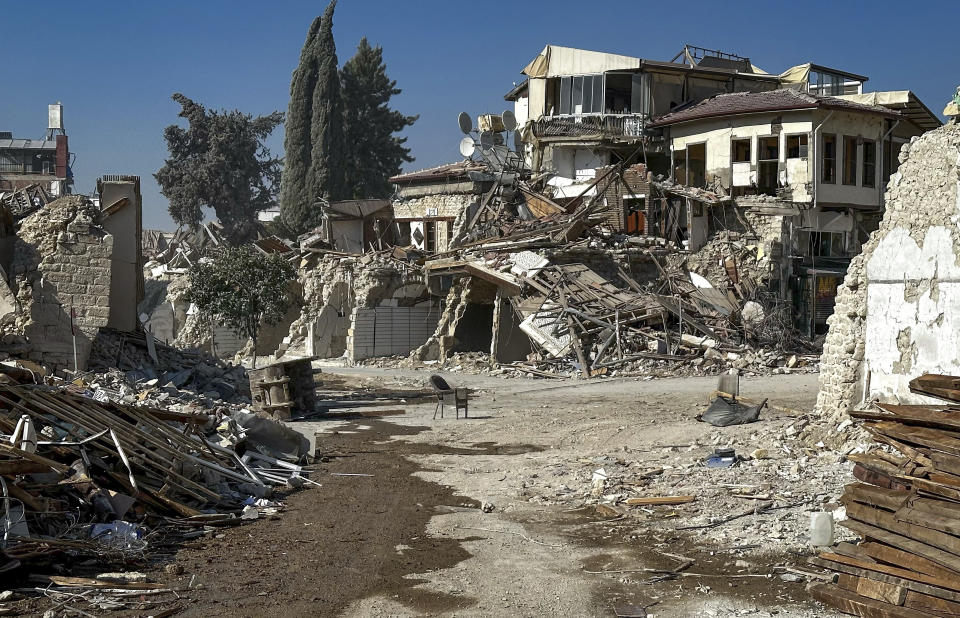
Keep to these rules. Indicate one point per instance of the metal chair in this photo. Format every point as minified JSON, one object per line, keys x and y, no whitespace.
{"x":458,"y":397}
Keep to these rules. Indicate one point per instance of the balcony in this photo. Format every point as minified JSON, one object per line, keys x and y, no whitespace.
{"x":590,"y":126}
{"x":20,"y":168}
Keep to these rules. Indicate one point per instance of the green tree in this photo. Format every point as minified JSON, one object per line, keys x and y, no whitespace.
{"x":243,"y":288}
{"x":219,"y":161}
{"x":314,"y":173}
{"x":374,"y":153}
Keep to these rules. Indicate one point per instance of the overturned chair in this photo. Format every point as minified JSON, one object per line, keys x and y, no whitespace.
{"x":458,"y":397}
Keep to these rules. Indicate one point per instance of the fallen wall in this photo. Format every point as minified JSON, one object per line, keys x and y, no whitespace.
{"x":62,"y":262}
{"x":897,"y":313}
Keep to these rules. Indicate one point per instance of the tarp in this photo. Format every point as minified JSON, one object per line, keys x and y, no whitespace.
{"x":555,"y":60}
{"x":799,"y":74}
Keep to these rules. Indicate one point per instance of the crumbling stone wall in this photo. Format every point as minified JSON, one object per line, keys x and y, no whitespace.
{"x":897,"y":314}
{"x":335,"y":286}
{"x":62,"y":260}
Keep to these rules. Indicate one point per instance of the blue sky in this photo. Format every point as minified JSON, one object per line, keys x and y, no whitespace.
{"x":114,"y":65}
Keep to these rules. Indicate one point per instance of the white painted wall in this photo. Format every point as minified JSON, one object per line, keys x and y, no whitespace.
{"x":577,"y":163}
{"x":933,"y":318}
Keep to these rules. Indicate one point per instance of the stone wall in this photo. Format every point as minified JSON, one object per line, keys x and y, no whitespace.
{"x":62,"y":261}
{"x":897,"y":313}
{"x":446,"y":206}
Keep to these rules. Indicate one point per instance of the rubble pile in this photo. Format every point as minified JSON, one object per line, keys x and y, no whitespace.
{"x":90,"y":484}
{"x":122,"y":364}
{"x":905,"y":508}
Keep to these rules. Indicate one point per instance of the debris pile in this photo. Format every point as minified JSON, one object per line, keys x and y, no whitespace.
{"x":905,"y":507}
{"x":94,"y":479}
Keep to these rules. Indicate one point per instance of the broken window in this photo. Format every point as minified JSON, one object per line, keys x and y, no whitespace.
{"x":768,"y":160}
{"x":827,"y":244}
{"x":869,"y":163}
{"x":741,"y":150}
{"x":618,"y":94}
{"x":829,"y":159}
{"x":849,"y":160}
{"x":696,"y":165}
{"x":430,"y":242}
{"x":582,"y":94}
{"x":797,"y":146}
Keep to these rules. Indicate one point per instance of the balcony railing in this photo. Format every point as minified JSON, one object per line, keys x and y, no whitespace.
{"x":19,"y":168}
{"x":590,"y":125}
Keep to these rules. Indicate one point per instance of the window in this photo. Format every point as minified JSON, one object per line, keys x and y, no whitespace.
{"x":849,"y":160}
{"x":869,"y":163}
{"x":741,"y":150}
{"x":768,"y":160}
{"x":827,"y":244}
{"x":696,"y":165}
{"x":582,"y":94}
{"x":797,"y":146}
{"x":829,"y":159}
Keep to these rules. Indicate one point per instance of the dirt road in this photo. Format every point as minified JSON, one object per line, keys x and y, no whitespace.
{"x":413,"y":540}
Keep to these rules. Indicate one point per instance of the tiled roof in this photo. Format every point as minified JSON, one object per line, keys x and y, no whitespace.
{"x":441,"y":172}
{"x":755,"y":102}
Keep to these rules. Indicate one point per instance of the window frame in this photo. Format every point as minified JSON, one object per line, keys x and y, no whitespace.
{"x":868,"y":176}
{"x":803,"y":149}
{"x":733,"y":149}
{"x":824,"y":159}
{"x":848,"y":164}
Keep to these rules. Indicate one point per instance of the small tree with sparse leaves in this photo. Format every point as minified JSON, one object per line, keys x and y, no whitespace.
{"x":244,"y":289}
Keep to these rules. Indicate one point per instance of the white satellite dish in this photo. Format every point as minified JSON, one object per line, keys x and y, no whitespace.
{"x":486,"y":140}
{"x":467,"y":147}
{"x":509,"y":120}
{"x":466,"y":123}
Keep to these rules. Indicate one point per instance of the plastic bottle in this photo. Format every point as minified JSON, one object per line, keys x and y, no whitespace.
{"x":821,"y":529}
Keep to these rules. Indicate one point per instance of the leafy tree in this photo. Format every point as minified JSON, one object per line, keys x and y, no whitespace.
{"x":374,"y":153}
{"x":322,"y":172}
{"x":243,"y":288}
{"x":219,"y":161}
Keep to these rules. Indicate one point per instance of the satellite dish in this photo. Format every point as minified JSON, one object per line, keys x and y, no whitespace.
{"x":509,"y":120}
{"x":486,"y":140}
{"x":466,"y":123}
{"x":467,"y":147}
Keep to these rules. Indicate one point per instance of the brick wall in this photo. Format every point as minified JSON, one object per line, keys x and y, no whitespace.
{"x":62,"y":260}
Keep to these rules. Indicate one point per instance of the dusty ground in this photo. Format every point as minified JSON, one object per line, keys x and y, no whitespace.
{"x":411,"y":540}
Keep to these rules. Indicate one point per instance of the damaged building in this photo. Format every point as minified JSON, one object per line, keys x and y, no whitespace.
{"x":37,"y":164}
{"x":72,"y":268}
{"x":896,"y":313}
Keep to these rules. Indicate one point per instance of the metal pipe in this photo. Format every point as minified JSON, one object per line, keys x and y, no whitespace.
{"x":816,"y":158}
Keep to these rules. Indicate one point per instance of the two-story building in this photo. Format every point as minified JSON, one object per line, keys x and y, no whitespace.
{"x":581,"y":110}
{"x":813,"y":166}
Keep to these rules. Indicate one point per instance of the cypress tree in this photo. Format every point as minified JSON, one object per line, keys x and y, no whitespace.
{"x":374,"y":153}
{"x":315,"y":141}
{"x":294,"y":202}
{"x":325,"y":179}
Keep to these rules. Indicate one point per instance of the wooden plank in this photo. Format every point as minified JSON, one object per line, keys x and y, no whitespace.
{"x":923,"y":436}
{"x":853,"y":603}
{"x":933,"y":605}
{"x":887,"y":521}
{"x":906,"y":560}
{"x":906,"y":544}
{"x":936,"y":385}
{"x":890,"y":499}
{"x":873,"y":589}
{"x":21,"y":466}
{"x":12,"y":451}
{"x":927,"y":519}
{"x":655,"y":500}
{"x":934,"y":416}
{"x":909,"y":584}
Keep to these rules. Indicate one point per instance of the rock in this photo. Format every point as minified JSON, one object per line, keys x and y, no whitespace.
{"x":173,"y":569}
{"x":250,"y":512}
{"x":487,"y":507}
{"x":760,"y":453}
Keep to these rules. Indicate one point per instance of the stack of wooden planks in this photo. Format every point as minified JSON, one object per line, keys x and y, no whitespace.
{"x":906,"y":508}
